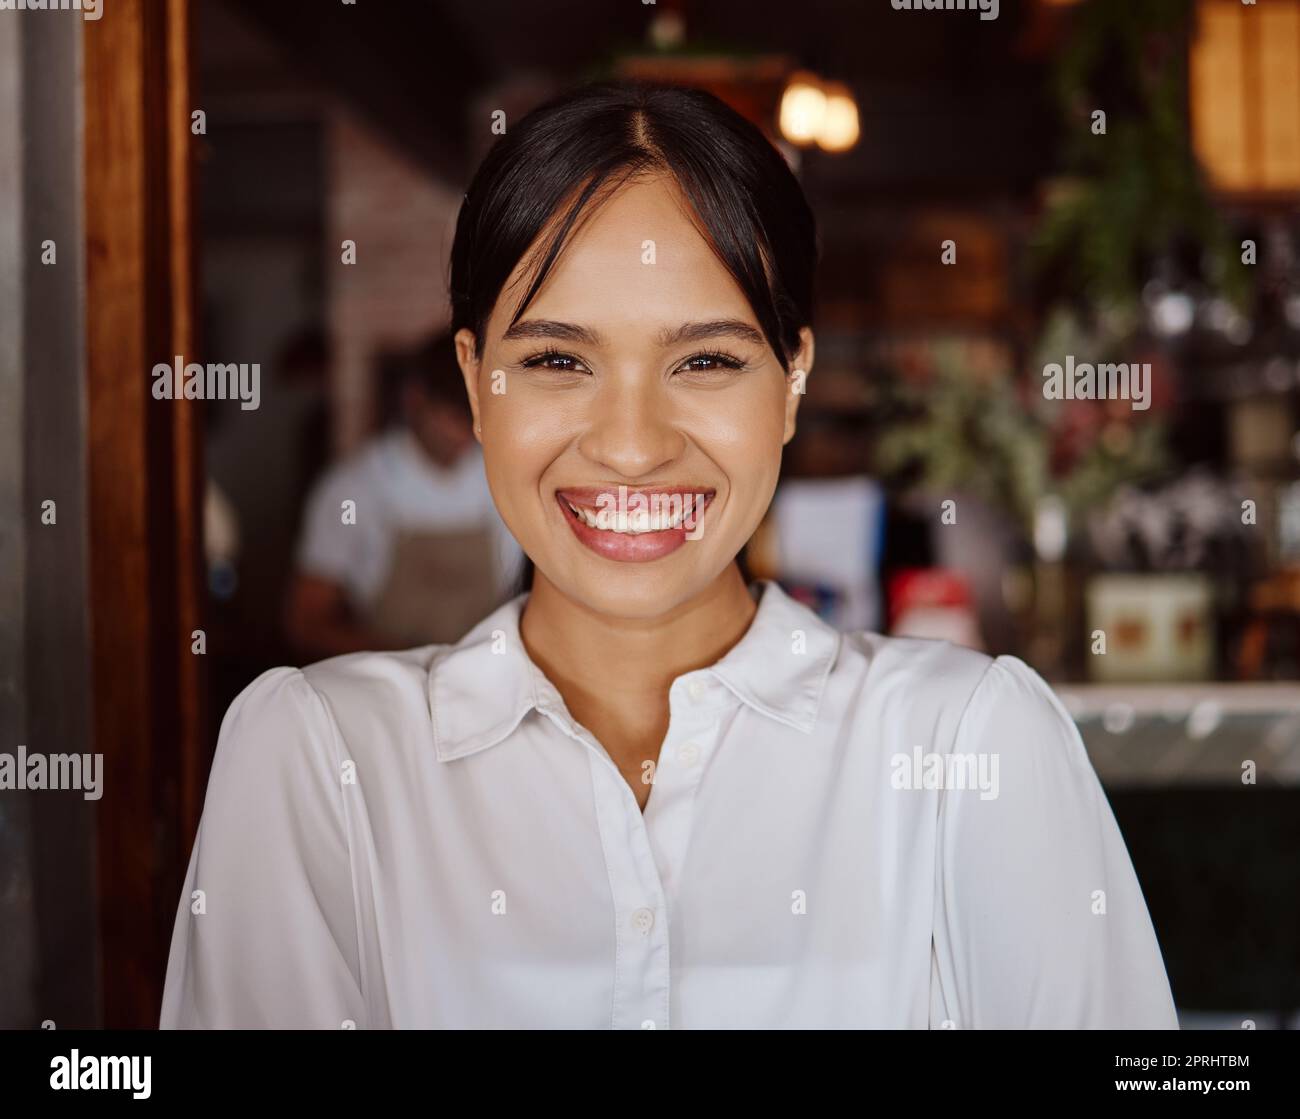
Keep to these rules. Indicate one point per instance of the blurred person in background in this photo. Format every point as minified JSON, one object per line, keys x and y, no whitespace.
{"x":401,"y":544}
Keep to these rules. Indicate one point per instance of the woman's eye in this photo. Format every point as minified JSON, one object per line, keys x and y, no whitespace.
{"x":560,"y":363}
{"x":711,"y":363}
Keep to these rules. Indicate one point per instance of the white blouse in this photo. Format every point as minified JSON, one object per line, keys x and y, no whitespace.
{"x":844,"y":831}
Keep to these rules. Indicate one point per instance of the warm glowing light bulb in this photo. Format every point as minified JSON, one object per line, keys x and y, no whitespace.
{"x":839,"y":128}
{"x":803,"y":109}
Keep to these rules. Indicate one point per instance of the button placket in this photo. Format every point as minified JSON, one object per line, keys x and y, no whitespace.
{"x":694,"y":724}
{"x":644,"y":853}
{"x":641,"y":949}
{"x":642,"y":975}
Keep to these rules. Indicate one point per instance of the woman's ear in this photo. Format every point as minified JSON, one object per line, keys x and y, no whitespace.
{"x":467,"y":357}
{"x":796,"y":381}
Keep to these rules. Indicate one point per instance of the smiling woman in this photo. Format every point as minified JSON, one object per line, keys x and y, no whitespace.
{"x":647,"y":794}
{"x":686,"y":245}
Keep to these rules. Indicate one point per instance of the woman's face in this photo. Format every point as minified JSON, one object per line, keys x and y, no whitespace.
{"x":633,"y":419}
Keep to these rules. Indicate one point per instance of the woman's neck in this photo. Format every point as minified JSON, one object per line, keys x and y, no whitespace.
{"x":614,"y":673}
{"x":600,"y":652}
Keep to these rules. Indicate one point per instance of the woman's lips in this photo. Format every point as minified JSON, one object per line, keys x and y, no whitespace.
{"x":634,"y":526}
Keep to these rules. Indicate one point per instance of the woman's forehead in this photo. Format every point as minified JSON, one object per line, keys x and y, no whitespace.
{"x":640,"y":249}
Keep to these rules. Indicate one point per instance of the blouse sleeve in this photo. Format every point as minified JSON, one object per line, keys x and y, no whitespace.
{"x":1039,"y":919}
{"x":265,"y":933}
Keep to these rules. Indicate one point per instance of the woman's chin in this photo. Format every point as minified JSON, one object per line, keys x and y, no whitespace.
{"x":630,"y":590}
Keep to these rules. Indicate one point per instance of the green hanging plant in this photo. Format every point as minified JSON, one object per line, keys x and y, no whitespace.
{"x":1136,"y":192}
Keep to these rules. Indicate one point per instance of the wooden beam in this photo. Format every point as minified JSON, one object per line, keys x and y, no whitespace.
{"x":144,"y":487}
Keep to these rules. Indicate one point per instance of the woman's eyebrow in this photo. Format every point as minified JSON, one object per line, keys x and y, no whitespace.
{"x":687,"y":332}
{"x":717,"y":328}
{"x":549,"y":328}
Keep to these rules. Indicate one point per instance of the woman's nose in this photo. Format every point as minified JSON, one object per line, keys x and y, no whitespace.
{"x":631,"y":430}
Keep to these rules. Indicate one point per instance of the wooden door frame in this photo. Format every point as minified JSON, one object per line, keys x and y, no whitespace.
{"x":144,"y":485}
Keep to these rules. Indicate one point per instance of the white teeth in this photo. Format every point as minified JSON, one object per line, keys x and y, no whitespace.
{"x":663,"y":515}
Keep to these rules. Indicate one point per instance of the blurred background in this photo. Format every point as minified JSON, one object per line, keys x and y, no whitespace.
{"x":234,"y":181}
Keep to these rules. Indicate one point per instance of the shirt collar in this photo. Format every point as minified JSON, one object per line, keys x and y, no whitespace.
{"x":781,"y":665}
{"x":481,"y":688}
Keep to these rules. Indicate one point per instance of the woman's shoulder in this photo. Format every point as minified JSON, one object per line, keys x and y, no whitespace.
{"x":981,"y":693}
{"x":927,"y":669}
{"x":889,"y":650}
{"x":365,"y":675}
{"x":374,"y":678}
{"x":356,"y":698}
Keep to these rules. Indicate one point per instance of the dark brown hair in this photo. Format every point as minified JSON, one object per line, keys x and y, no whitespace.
{"x":583,"y":144}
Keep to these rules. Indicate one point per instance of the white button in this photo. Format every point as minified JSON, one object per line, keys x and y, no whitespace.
{"x":696,"y":689}
{"x":688,"y":753}
{"x":643,"y":920}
